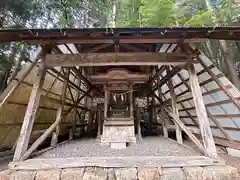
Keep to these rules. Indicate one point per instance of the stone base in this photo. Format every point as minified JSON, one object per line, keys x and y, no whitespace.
{"x":118,"y":145}
{"x":118,"y":134}
{"x":141,"y":173}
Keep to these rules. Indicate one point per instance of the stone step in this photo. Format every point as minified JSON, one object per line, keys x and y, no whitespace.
{"x":141,"y":173}
{"x":118,"y":123}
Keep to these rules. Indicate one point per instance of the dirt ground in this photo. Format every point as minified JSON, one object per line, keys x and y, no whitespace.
{"x":230,"y":160}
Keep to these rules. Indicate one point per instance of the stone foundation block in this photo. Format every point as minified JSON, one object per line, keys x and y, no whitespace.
{"x":22,"y":175}
{"x":53,"y":174}
{"x":95,"y":174}
{"x":126,"y":174}
{"x":197,"y":173}
{"x":173,"y":174}
{"x":72,"y":174}
{"x":5,"y":175}
{"x":148,"y":174}
{"x":111,"y":174}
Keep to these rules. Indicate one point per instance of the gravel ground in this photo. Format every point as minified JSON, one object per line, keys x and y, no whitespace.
{"x":151,"y":146}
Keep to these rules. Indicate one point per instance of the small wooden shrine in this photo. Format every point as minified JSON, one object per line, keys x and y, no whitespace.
{"x":118,"y":126}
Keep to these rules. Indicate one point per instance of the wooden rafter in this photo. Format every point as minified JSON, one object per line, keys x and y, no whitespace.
{"x":156,"y":75}
{"x":70,"y":82}
{"x":165,"y":79}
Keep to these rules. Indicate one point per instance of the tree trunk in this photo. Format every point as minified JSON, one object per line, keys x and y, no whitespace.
{"x":230,"y":65}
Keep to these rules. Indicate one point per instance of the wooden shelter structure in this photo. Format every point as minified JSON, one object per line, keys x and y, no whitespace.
{"x":104,"y":74}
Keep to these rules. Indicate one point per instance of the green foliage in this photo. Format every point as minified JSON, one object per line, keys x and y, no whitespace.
{"x":201,"y":18}
{"x":158,"y":13}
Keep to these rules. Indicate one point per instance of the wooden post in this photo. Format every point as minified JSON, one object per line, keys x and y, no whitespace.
{"x":30,"y":114}
{"x":139,"y":135}
{"x":131,"y":101}
{"x":201,"y":112}
{"x":175,"y":109}
{"x":154,"y":115}
{"x":150,"y":115}
{"x":61,"y":108}
{"x":163,"y":117}
{"x":163,"y":122}
{"x":106,"y":98}
{"x":99,"y":123}
{"x":90,"y":118}
{"x":77,"y":114}
{"x":101,"y":120}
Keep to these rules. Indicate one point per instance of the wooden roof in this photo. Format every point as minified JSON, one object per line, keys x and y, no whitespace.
{"x":119,"y":35}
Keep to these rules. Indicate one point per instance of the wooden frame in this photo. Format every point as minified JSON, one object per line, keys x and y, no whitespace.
{"x":89,"y":56}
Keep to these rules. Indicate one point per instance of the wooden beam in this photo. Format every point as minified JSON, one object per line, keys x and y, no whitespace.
{"x":141,"y":40}
{"x":70,"y":82}
{"x":42,"y":138}
{"x":30,"y":114}
{"x":209,"y":114}
{"x":85,"y":80}
{"x":198,"y":74}
{"x":162,"y":113}
{"x":157,"y":74}
{"x":216,"y":79}
{"x":61,"y":107}
{"x":174,"y":108}
{"x":165,"y":79}
{"x":188,"y":132}
{"x":163,"y":122}
{"x":132,"y":47}
{"x":188,"y":87}
{"x":138,"y":117}
{"x":106,"y":101}
{"x":97,"y":48}
{"x":201,"y":112}
{"x":113,"y":59}
{"x":99,"y":123}
{"x":80,"y":75}
{"x":15,"y":84}
{"x":90,"y":117}
{"x":77,"y":114}
{"x":188,"y":96}
{"x":116,"y":162}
